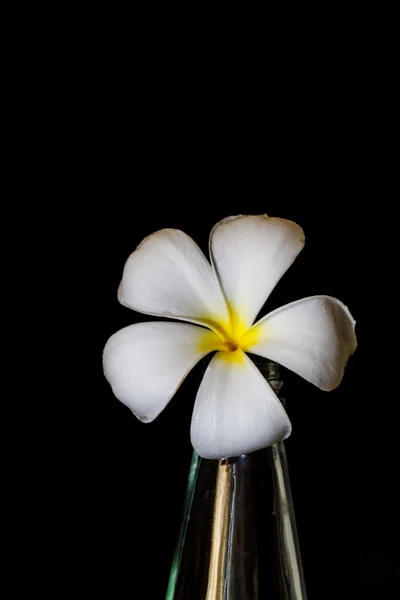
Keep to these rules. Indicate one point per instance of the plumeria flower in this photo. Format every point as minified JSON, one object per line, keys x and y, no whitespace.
{"x":235,"y":411}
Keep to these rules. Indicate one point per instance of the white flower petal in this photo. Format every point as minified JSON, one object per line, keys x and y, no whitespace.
{"x":236,"y":411}
{"x":250,"y":254}
{"x":169,"y":276}
{"x":313,"y":337}
{"x":146,"y":363}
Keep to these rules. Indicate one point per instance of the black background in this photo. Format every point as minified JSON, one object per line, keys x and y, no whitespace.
{"x":305,"y":135}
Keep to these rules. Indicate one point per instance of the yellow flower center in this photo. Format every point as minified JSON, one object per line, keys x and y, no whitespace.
{"x":231,"y":338}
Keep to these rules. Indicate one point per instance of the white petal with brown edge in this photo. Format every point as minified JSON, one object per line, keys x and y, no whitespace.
{"x":236,"y":410}
{"x":250,"y":254}
{"x":169,"y":276}
{"x":146,"y":363}
{"x":313,"y":337}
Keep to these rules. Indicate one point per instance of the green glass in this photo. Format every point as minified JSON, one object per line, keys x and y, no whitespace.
{"x":238,"y":538}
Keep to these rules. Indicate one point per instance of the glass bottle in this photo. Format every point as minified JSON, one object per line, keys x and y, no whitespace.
{"x":238,"y":537}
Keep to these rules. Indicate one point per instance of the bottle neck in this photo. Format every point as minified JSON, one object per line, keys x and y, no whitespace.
{"x":236,"y":539}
